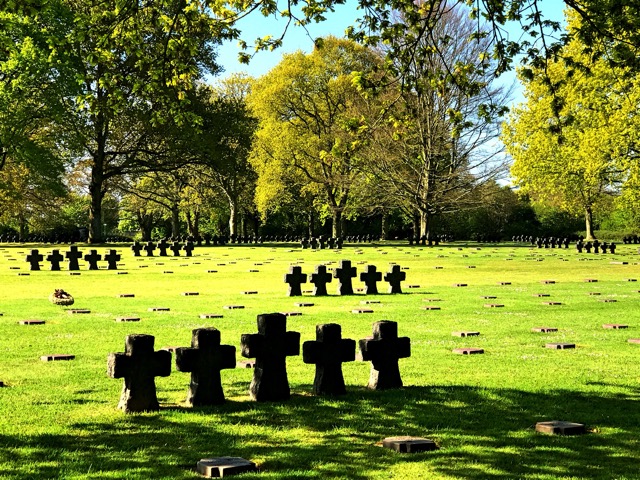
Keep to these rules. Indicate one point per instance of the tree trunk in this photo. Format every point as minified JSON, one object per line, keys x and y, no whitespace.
{"x":256,"y":224}
{"x":384,"y":230}
{"x":415,"y":224}
{"x":175,"y":221}
{"x":96,"y":193}
{"x":425,"y":220}
{"x":233,"y":218}
{"x":311,"y":223}
{"x":336,"y":227}
{"x":588,"y":220}
{"x":22,"y":227}
{"x":146,"y":225}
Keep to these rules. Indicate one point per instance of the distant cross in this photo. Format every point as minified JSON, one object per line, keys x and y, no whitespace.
{"x":93,"y":258}
{"x":188,"y":248}
{"x":149,"y":248}
{"x":204,"y":360}
{"x":320,"y":278}
{"x":270,"y":347}
{"x":295,"y":278}
{"x":394,"y":277}
{"x":175,"y":248}
{"x":73,"y":255}
{"x":321,"y":242}
{"x":384,"y":350}
{"x":328,"y":352}
{"x":55,"y":258}
{"x":162,"y":246}
{"x":371,"y":277}
{"x":112,"y":258}
{"x":313,"y":243}
{"x":139,"y":365}
{"x":344,"y":274}
{"x":136,"y":247}
{"x":34,"y":258}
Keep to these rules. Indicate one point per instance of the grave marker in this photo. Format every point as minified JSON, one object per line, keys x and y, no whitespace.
{"x":544,"y":329}
{"x":55,"y":258}
{"x":557,"y":427}
{"x":135,"y":248}
{"x":394,"y":277}
{"x":383,"y":350}
{"x":112,"y":259}
{"x":222,"y":466}
{"x":204,"y":360}
{"x":56,"y":357}
{"x":371,"y":277}
{"x":295,"y":278}
{"x":320,"y":277}
{"x":344,"y":273}
{"x":409,"y":444}
{"x":139,"y":365}
{"x":468,"y":351}
{"x":92,"y":258}
{"x":560,"y":346}
{"x":34,"y":258}
{"x":328,"y":352}
{"x":149,"y":248}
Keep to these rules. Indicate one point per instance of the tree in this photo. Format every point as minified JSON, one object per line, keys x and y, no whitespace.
{"x":570,"y":147}
{"x":311,"y":123}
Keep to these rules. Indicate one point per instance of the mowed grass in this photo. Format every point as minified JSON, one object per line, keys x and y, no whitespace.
{"x":59,"y":419}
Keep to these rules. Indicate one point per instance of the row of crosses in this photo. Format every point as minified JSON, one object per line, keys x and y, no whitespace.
{"x":344,"y":273}
{"x":73,"y":255}
{"x":139,"y":364}
{"x":162,"y":246}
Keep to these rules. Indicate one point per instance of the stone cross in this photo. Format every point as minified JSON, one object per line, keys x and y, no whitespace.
{"x":188,"y":249}
{"x":93,"y":258}
{"x":394,"y":277}
{"x":139,"y":365}
{"x":55,"y":258}
{"x":270,"y":347}
{"x":328,"y":352}
{"x":320,"y":278}
{"x":295,"y":278}
{"x":162,"y":246}
{"x":175,"y":248}
{"x":112,"y":259}
{"x":204,"y":360}
{"x":73,"y":255}
{"x":371,"y":277}
{"x":136,"y":247}
{"x":149,"y":248}
{"x":383,"y":350}
{"x":34,"y":258}
{"x":344,"y":273}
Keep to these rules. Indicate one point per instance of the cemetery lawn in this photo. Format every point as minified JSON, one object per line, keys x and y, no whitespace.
{"x":60,"y":419}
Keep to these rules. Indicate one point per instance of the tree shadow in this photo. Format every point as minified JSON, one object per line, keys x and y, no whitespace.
{"x":482,"y":433}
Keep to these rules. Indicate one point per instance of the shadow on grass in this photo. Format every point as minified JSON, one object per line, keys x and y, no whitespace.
{"x":483,"y":434}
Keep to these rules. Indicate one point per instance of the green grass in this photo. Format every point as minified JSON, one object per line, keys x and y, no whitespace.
{"x":59,"y":419}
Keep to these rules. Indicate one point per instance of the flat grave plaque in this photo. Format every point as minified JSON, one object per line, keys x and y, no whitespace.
{"x":504,"y":283}
{"x":548,"y":282}
{"x":302,"y":304}
{"x":250,"y":292}
{"x":223,"y":466}
{"x":127,"y":319}
{"x":465,"y":334}
{"x":541,"y":295}
{"x":560,"y":346}
{"x":167,"y":271}
{"x":126,"y":295}
{"x":619,"y":263}
{"x":369,"y":302}
{"x":413,"y":286}
{"x":557,"y":427}
{"x":56,"y":357}
{"x":468,"y":351}
{"x":632,"y":280}
{"x":590,"y":280}
{"x":159,"y":309}
{"x":212,"y":271}
{"x":233,"y":307}
{"x":291,"y":314}
{"x":78,"y":311}
{"x":205,"y":316}
{"x":190,"y":294}
{"x":614,"y":326}
{"x":23,"y":274}
{"x":551,"y":303}
{"x":544,"y":329}
{"x":31,"y":322}
{"x":594,"y":293}
{"x":409,"y":444}
{"x":493,"y":305}
{"x":489,"y":297}
{"x":122,"y":273}
{"x":460,"y":285}
{"x":438,"y":268}
{"x":361,"y":310}
{"x":608,"y":300}
{"x":634,"y":340}
{"x":430,"y":307}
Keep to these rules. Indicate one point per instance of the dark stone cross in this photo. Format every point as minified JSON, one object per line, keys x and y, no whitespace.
{"x":162,"y":246}
{"x":383,"y":350}
{"x":139,"y":365}
{"x":93,"y":258}
{"x":344,"y":273}
{"x":112,"y":259}
{"x":34,"y":258}
{"x":55,"y":258}
{"x":295,"y":278}
{"x":149,"y":248}
{"x":188,"y":249}
{"x":73,"y":255}
{"x":204,"y":360}
{"x":320,"y":278}
{"x":136,"y":247}
{"x":175,"y":248}
{"x":270,"y":347}
{"x":328,"y":352}
{"x":371,"y":277}
{"x":394,"y":277}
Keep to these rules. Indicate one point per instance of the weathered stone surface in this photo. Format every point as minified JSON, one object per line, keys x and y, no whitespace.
{"x":361,"y":310}
{"x":126,"y":295}
{"x":204,"y":360}
{"x":56,"y":357}
{"x":634,"y":340}
{"x":383,"y":349}
{"x":78,"y":311}
{"x":92,"y":258}
{"x":295,"y":278}
{"x":159,"y":309}
{"x":270,"y":347}
{"x":233,"y":307}
{"x":395,"y":277}
{"x":34,"y":258}
{"x":73,"y":255}
{"x":205,"y":316}
{"x":139,"y":365}
{"x":224,"y":466}
{"x":468,"y":351}
{"x":544,"y":329}
{"x":615,"y":326}
{"x":557,"y":427}
{"x":112,"y":258}
{"x":430,"y":307}
{"x":409,"y":444}
{"x":31,"y":322}
{"x":493,"y":305}
{"x":246,"y":364}
{"x":344,"y":273}
{"x":370,"y":277}
{"x":328,"y":352}
{"x":560,"y":346}
{"x":127,"y":319}
{"x":465,"y":334}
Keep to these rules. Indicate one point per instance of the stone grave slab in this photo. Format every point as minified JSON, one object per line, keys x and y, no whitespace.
{"x":369,"y":302}
{"x":468,"y":351}
{"x":560,"y":346}
{"x":608,"y":300}
{"x":465,"y":334}
{"x":551,"y":303}
{"x":594,"y":293}
{"x":632,"y":280}
{"x":159,"y":309}
{"x":233,"y":307}
{"x":361,"y":310}
{"x":303,"y":304}
{"x":220,"y":467}
{"x":493,"y":305}
{"x":489,"y":297}
{"x":205,"y":316}
{"x":384,"y":349}
{"x":634,"y":340}
{"x":504,"y":283}
{"x":590,"y":280}
{"x":558,"y":427}
{"x":31,"y":322}
{"x":127,"y":319}
{"x":168,"y":271}
{"x":544,"y":329}
{"x":460,"y":285}
{"x":56,"y":357}
{"x":190,"y":294}
{"x":126,"y":295}
{"x":23,"y":274}
{"x":548,"y":282}
{"x":78,"y":311}
{"x":541,"y":295}
{"x":615,"y":326}
{"x":328,"y":352}
{"x":291,"y":314}
{"x":408,"y":444}
{"x":250,"y":292}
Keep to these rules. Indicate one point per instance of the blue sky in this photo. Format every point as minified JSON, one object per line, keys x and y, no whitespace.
{"x":255,"y":25}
